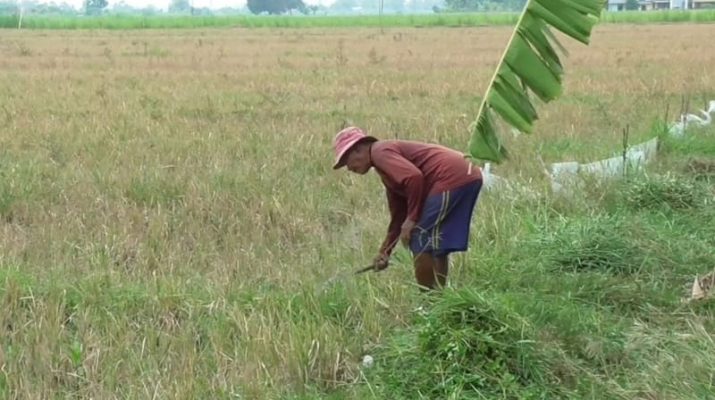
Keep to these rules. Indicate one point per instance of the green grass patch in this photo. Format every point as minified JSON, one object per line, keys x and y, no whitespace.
{"x":388,"y":21}
{"x":598,"y":242}
{"x":154,"y":191}
{"x":23,"y":182}
{"x":667,"y":191}
{"x":465,"y":346}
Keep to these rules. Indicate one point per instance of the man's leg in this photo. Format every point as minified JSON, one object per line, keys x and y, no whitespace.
{"x":441,"y":269}
{"x":431,"y":272}
{"x":425,"y":266}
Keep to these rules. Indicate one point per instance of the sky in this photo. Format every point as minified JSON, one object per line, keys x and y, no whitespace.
{"x":163,"y":4}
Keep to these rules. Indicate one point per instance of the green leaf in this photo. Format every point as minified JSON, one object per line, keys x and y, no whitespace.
{"x":533,"y":30}
{"x":568,"y":16}
{"x":550,"y":35}
{"x":541,"y":79}
{"x":529,"y":64}
{"x":484,"y":143}
{"x":516,"y":100}
{"x":508,"y":112}
{"x":511,"y":103}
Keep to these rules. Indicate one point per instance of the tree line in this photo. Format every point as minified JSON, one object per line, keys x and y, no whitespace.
{"x":270,"y":7}
{"x":287,"y":6}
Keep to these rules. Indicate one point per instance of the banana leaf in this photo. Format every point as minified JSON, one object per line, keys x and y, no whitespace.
{"x":530,"y":65}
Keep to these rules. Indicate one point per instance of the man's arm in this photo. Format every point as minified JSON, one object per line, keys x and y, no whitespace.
{"x":408,"y":176}
{"x":398,"y":213}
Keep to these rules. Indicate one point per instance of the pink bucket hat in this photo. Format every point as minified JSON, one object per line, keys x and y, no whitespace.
{"x":345,"y":140}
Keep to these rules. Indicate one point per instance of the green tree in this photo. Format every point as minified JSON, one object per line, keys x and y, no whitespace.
{"x":51,"y":9}
{"x":8,"y":8}
{"x":343,"y":5}
{"x":423,"y":5}
{"x":466,"y":5}
{"x":515,"y":5}
{"x":179,"y":6}
{"x":95,"y":7}
{"x":275,"y":6}
{"x":485,"y":5}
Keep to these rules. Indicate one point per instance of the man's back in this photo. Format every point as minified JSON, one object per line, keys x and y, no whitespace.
{"x":442,"y":168}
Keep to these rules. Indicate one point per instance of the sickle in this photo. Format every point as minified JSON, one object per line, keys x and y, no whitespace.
{"x":361,"y":270}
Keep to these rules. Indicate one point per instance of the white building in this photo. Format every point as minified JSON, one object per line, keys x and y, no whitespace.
{"x":698,"y":4}
{"x":675,"y":4}
{"x":647,"y":5}
{"x":616,"y":5}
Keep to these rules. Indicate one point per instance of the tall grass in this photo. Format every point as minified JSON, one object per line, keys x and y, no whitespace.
{"x":419,"y":20}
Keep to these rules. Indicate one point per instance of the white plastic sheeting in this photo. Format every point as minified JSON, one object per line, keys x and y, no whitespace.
{"x":563,"y":174}
{"x":568,"y":173}
{"x":493,"y":182}
{"x":703,"y":119}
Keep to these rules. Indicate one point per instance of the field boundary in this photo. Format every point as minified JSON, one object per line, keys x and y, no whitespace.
{"x":456,"y":20}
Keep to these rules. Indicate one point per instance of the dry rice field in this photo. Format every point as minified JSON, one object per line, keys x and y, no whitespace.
{"x":166,"y":195}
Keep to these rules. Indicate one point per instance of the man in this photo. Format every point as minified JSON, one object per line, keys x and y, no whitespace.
{"x":431,"y":193}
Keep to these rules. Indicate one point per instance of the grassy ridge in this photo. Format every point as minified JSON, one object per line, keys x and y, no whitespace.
{"x":445,"y":20}
{"x":588,"y":291}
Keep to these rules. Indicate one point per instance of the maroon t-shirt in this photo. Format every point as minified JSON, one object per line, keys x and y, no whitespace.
{"x":411,"y":171}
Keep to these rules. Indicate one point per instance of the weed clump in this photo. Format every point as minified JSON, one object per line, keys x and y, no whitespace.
{"x":603,"y":243}
{"x":668,"y":191}
{"x":464,"y":346}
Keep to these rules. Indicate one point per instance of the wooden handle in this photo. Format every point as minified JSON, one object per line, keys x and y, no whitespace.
{"x":368,"y":268}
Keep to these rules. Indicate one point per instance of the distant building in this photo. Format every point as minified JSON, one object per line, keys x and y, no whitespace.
{"x":700,"y":4}
{"x":616,"y":5}
{"x":647,"y":5}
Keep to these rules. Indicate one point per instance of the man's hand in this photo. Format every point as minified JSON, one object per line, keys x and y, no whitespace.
{"x":406,"y":233}
{"x":380,"y":262}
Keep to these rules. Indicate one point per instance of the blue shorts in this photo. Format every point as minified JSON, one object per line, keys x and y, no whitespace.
{"x":444,"y":225}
